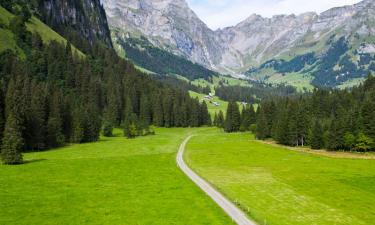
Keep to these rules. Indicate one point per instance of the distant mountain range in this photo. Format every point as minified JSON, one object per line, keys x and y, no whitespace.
{"x":333,"y":48}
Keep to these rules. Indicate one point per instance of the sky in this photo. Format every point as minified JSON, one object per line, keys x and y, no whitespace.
{"x":223,"y":13}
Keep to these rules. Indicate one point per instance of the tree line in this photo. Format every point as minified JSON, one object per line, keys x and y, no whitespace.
{"x":254,"y":94}
{"x":329,"y":119}
{"x":236,"y":120}
{"x":54,"y":96}
{"x":340,"y":120}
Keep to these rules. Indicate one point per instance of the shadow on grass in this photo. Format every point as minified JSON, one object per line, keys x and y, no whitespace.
{"x":33,"y":161}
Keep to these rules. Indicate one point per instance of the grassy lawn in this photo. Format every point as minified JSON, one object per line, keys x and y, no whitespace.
{"x":279,"y":186}
{"x":114,"y":181}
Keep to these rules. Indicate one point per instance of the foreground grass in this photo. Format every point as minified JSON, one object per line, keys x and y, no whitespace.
{"x":279,"y":186}
{"x":114,"y":181}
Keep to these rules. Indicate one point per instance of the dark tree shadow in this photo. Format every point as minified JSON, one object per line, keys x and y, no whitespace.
{"x":33,"y":161}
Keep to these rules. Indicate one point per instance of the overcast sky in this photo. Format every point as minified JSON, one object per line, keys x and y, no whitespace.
{"x":223,"y":13}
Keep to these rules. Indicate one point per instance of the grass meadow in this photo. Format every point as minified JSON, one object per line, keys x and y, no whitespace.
{"x":114,"y":181}
{"x":278,"y":186}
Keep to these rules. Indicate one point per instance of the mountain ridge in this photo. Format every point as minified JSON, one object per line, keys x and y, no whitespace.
{"x":234,"y":50}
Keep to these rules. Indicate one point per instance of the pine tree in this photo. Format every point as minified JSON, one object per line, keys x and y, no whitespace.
{"x":55,"y":137}
{"x":215,"y":123}
{"x":368,"y":117}
{"x":245,"y":119}
{"x":167,"y":109}
{"x":205,"y":116}
{"x":36,"y":118}
{"x":194,"y":113}
{"x":130,"y":121}
{"x":2,"y":112}
{"x":252,"y":115}
{"x":317,"y":132}
{"x":77,"y":127}
{"x":158,"y":115}
{"x":220,"y":119}
{"x":262,"y":131}
{"x":12,"y":142}
{"x":233,"y":118}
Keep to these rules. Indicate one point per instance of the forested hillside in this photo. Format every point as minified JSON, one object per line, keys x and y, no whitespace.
{"x":336,"y":66}
{"x":141,"y":52}
{"x":82,"y":22}
{"x":52,"y":96}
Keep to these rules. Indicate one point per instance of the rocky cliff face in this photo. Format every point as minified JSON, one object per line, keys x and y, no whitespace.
{"x":258,"y":39}
{"x":86,"y":17}
{"x":168,"y":24}
{"x":173,"y":26}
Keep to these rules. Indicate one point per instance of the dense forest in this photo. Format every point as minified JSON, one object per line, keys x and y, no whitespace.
{"x":334,"y":120}
{"x":340,"y":120}
{"x":253,"y":94}
{"x":54,"y":96}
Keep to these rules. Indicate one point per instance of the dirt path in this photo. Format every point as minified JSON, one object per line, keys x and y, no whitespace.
{"x":235,"y":213}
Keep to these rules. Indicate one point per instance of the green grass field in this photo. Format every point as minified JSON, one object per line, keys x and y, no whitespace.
{"x":279,"y":186}
{"x":114,"y":181}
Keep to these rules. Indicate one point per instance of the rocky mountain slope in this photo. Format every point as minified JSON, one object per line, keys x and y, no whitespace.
{"x":168,"y":24}
{"x":77,"y":19}
{"x":248,"y":47}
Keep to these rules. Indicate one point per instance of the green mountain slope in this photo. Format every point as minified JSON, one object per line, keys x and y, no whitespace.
{"x":157,"y":60}
{"x":7,"y":39}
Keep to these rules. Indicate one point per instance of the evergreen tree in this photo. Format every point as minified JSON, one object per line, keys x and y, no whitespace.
{"x":252,"y":115}
{"x":55,"y":137}
{"x":349,"y":141}
{"x":194,"y":113}
{"x":36,"y":124}
{"x":12,"y":142}
{"x":245,"y":119}
{"x":145,"y":111}
{"x":215,"y":123}
{"x":205,"y":116}
{"x":220,"y":119}
{"x":233,"y":118}
{"x":77,"y":127}
{"x":317,"y":132}
{"x":131,"y":121}
{"x":158,"y":115}
{"x":262,"y":131}
{"x":368,"y":117}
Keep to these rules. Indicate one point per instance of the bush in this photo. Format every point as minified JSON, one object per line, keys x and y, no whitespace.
{"x":253,"y":128}
{"x":364,"y":143}
{"x":107,"y":130}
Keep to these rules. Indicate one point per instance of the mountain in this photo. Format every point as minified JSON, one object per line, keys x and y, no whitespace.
{"x":77,"y":19}
{"x":167,"y":24}
{"x":245,"y":48}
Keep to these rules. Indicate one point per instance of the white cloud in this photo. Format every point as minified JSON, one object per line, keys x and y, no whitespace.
{"x":223,"y":13}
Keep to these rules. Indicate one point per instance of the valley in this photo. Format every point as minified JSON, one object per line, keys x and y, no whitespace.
{"x":330,"y":49}
{"x":136,"y":112}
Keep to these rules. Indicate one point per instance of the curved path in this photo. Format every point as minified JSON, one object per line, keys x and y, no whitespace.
{"x":235,"y":213}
